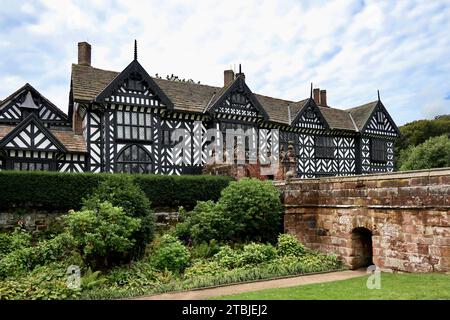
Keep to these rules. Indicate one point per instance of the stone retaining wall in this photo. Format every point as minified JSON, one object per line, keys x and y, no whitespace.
{"x":406,"y":214}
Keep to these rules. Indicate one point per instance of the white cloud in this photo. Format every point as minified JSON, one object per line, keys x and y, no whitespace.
{"x":348,"y":47}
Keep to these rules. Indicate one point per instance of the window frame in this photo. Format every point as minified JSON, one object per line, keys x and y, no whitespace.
{"x":324,"y":150}
{"x":377,"y":153}
{"x":132,"y":162}
{"x":121,"y":128}
{"x":10,"y":163}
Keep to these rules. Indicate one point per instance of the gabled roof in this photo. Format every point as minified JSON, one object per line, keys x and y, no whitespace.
{"x":236,"y":84}
{"x":361,"y":114}
{"x":28,"y":87}
{"x":118,"y":81}
{"x":32,"y":118}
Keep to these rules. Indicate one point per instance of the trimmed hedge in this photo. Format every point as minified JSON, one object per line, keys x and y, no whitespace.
{"x":64,"y":191}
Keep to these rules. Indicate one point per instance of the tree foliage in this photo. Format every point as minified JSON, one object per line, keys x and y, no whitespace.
{"x":433,"y":153}
{"x":417,"y":132}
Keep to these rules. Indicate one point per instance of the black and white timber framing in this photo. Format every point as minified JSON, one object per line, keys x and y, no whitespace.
{"x":125,"y":122}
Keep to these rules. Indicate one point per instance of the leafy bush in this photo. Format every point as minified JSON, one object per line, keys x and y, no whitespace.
{"x":254,"y":208}
{"x":205,"y":223}
{"x":433,"y":153}
{"x":170,"y":255}
{"x":17,"y":262}
{"x":122,"y":192}
{"x":65,"y":191}
{"x":60,"y":248}
{"x":102,"y":233}
{"x":227,"y":257}
{"x":248,"y":210}
{"x":202,"y":268}
{"x":256,"y":253}
{"x":9,"y":242}
{"x":204,"y":250}
{"x":288,"y":245}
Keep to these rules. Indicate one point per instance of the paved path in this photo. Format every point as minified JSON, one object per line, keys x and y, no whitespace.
{"x":254,"y":286}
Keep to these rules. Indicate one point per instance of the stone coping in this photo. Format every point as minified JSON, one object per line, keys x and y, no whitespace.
{"x":372,"y":176}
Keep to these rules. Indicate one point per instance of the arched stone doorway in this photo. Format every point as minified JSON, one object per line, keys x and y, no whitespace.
{"x":361,"y":248}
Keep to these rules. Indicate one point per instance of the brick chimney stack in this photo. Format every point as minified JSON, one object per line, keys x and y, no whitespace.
{"x":84,"y":53}
{"x":316,"y":96}
{"x":323,"y":98}
{"x":228,"y":77}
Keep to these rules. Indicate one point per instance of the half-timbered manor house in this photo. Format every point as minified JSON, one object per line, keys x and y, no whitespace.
{"x":122,"y":122}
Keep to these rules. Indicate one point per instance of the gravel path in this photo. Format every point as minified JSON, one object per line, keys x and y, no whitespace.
{"x":255,"y":286}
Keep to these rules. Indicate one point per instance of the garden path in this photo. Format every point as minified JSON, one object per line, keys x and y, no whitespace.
{"x":200,"y":294}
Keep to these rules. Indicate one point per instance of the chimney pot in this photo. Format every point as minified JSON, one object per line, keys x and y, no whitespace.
{"x":316,"y":96}
{"x":323,"y":98}
{"x":84,"y":53}
{"x":228,"y":77}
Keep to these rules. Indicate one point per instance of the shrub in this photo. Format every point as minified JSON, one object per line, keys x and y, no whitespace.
{"x":227,"y":257}
{"x":60,"y":248}
{"x":205,"y":223}
{"x":65,"y":191}
{"x":255,"y":253}
{"x":205,"y":250}
{"x":17,"y":262}
{"x":121,"y":191}
{"x":204,"y":268}
{"x":288,"y":245}
{"x":170,"y":254}
{"x":254,"y":208}
{"x":9,"y":242}
{"x":102,"y":233}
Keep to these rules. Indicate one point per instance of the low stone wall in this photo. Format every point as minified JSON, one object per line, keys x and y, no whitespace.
{"x":406,"y":216}
{"x":38,"y":220}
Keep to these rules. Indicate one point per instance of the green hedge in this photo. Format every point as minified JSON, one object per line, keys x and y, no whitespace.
{"x":64,"y":191}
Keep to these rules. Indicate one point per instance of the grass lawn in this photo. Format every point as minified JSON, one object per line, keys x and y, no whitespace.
{"x":405,"y":286}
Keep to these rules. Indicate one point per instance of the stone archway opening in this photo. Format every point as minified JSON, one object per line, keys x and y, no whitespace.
{"x":362,"y":253}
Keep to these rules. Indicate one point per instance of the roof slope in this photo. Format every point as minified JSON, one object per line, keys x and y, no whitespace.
{"x":337,"y":118}
{"x":362,"y":113}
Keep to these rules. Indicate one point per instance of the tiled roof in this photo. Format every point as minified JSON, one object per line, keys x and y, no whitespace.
{"x":337,"y":118}
{"x":4,"y":130}
{"x":362,"y":113}
{"x":72,"y":141}
{"x":88,"y":82}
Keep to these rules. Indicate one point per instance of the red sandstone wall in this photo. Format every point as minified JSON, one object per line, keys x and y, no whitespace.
{"x":407,"y":213}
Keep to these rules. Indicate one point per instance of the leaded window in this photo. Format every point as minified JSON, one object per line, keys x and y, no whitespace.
{"x":134,"y":125}
{"x":31,"y":165}
{"x":378,"y":150}
{"x":134,"y":159}
{"x":324,"y":147}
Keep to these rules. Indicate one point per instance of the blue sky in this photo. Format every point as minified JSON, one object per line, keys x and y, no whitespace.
{"x":350,"y":48}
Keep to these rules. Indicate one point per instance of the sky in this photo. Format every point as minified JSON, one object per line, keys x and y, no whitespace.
{"x":350,"y":48}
